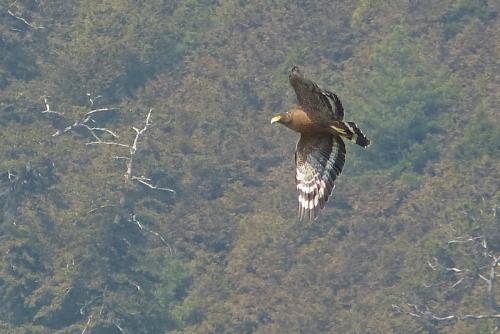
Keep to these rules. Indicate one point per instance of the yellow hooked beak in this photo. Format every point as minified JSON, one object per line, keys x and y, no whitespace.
{"x":275,"y":119}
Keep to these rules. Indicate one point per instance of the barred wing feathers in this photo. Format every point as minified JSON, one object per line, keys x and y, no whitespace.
{"x":319,"y":159}
{"x":315,"y":99}
{"x":334,"y":103}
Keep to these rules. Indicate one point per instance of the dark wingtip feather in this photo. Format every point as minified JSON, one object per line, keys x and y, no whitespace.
{"x":362,"y":141}
{"x":360,"y":137}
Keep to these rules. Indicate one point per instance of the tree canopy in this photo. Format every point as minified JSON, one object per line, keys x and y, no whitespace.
{"x":142,"y":189}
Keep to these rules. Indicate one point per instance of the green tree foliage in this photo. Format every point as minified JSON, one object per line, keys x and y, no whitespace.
{"x":405,"y":103}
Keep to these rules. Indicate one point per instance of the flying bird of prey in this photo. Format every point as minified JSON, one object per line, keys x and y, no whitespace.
{"x":320,"y":152}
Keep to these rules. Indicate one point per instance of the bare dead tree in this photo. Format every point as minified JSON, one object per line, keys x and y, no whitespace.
{"x":132,"y":151}
{"x":488,"y":263}
{"x":487,"y":272}
{"x":105,"y":136}
{"x":128,"y":152}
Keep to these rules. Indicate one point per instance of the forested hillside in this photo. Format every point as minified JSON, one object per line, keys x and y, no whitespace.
{"x":143,"y":190}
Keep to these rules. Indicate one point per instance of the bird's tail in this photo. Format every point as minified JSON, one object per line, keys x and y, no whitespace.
{"x":350,"y":131}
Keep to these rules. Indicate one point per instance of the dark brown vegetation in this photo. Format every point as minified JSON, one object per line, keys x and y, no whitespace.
{"x":84,"y":249}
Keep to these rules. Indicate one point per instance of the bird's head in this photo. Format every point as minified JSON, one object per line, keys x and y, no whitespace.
{"x":285,"y":118}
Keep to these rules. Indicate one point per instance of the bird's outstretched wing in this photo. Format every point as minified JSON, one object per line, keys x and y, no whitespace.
{"x":319,"y":159}
{"x":313,"y":98}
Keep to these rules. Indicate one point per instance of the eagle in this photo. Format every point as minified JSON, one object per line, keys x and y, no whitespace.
{"x":320,"y":151}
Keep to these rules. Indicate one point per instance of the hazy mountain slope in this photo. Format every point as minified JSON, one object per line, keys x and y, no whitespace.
{"x":84,"y":248}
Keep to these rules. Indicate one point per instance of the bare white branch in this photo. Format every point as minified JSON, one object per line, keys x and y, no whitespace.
{"x":47,"y":107}
{"x":82,"y":122}
{"x":99,"y":208}
{"x":136,"y":285}
{"x":107,"y":131}
{"x":483,"y":278}
{"x":453,"y":269}
{"x":140,"y":132}
{"x":133,"y":219}
{"x":461,"y":240}
{"x":107,"y":143}
{"x":23,"y":20}
{"x":133,"y":147}
{"x":145,"y":180}
{"x":480,"y":316}
{"x":87,"y":324}
{"x":458,"y":282}
{"x":118,"y":327}
{"x":91,"y":130}
{"x":93,"y":100}
{"x":94,"y":111}
{"x":415,"y":311}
